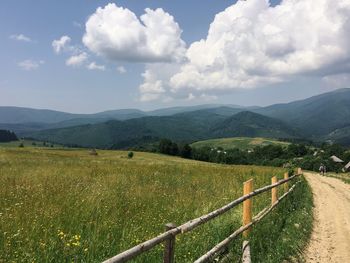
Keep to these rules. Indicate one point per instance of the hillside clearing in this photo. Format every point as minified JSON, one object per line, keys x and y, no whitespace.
{"x":243,"y":143}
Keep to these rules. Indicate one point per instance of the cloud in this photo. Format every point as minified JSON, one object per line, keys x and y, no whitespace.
{"x":76,"y":24}
{"x":118,"y":34}
{"x":156,"y":81}
{"x":30,"y":64}
{"x":77,"y":60}
{"x":62,"y":44}
{"x":121,"y":70}
{"x":94,"y":66}
{"x":252,"y":44}
{"x":337,"y":81}
{"x":20,"y":37}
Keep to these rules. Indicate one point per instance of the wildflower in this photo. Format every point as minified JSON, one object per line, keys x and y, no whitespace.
{"x":76,"y":244}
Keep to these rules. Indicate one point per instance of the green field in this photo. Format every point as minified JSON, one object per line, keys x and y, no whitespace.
{"x":243,"y":143}
{"x":29,"y":143}
{"x":69,"y":206}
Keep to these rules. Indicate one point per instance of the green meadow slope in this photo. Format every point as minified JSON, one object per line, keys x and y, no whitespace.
{"x":61,"y":205}
{"x":242,"y":143}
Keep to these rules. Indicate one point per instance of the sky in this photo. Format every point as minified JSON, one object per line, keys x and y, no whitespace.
{"x":89,"y":56}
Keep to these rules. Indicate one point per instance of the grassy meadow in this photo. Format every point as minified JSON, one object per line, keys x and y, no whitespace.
{"x":64,"y":205}
{"x":243,"y":143}
{"x":29,"y":143}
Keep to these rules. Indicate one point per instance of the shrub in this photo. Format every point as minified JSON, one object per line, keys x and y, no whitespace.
{"x":186,"y":151}
{"x":130,"y":155}
{"x":93,"y":152}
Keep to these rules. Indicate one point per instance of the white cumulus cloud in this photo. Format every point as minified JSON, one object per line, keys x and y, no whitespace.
{"x":252,"y":44}
{"x":62,"y":44}
{"x":77,"y":60}
{"x":156,"y":81}
{"x":121,"y":70}
{"x":118,"y":34}
{"x":29,"y":64}
{"x":94,"y":66}
{"x":21,"y":37}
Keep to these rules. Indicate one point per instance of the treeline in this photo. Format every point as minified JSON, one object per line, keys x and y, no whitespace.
{"x":293,"y":155}
{"x":7,"y":136}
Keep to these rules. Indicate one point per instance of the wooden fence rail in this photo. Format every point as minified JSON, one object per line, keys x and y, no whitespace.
{"x":223,"y":244}
{"x":172,"y":231}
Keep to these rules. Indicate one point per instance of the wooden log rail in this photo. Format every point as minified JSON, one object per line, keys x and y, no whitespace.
{"x":215,"y":250}
{"x":169,"y":235}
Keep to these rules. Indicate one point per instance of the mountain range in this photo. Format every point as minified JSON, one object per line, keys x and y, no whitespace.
{"x":322,"y":117}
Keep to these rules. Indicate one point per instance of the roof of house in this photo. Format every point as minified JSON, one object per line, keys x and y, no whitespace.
{"x":347,"y":166}
{"x":336,"y":159}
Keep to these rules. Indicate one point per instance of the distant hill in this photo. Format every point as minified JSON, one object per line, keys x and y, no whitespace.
{"x":27,"y":120}
{"x":209,"y":107}
{"x":190,"y":126}
{"x":119,"y":134}
{"x":13,"y":115}
{"x":322,"y":117}
{"x":315,"y":116}
{"x":249,"y":124}
{"x":341,"y":136}
{"x":16,"y":115}
{"x":242,"y":143}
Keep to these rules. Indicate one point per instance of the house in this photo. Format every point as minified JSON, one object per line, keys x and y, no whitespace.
{"x":336,"y":159}
{"x":347,"y":167}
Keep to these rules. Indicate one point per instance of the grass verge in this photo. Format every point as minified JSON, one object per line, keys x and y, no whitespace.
{"x":283,"y":234}
{"x":345,"y":177}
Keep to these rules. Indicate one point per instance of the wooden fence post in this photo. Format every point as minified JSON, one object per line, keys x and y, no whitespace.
{"x":247,"y":205}
{"x":246,"y":252}
{"x":169,"y":246}
{"x":273,"y":190}
{"x":299,"y":171}
{"x":286,"y":186}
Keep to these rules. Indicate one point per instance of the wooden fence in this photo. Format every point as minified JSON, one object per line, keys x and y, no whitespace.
{"x":171,"y":231}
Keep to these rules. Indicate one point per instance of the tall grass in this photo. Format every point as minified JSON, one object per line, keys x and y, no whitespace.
{"x":66,"y":205}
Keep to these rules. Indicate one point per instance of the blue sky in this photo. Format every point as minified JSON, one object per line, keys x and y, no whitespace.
{"x":34,"y":75}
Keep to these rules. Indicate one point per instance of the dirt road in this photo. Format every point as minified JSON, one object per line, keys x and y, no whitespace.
{"x":330,"y":240}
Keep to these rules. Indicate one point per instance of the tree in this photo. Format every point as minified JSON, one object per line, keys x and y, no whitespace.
{"x":296,"y":150}
{"x":7,"y":136}
{"x":166,"y":146}
{"x":186,"y":151}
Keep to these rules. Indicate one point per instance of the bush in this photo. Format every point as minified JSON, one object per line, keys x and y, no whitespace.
{"x":130,"y":155}
{"x":93,"y":152}
{"x":166,"y":146}
{"x":186,"y":151}
{"x":21,"y":145}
